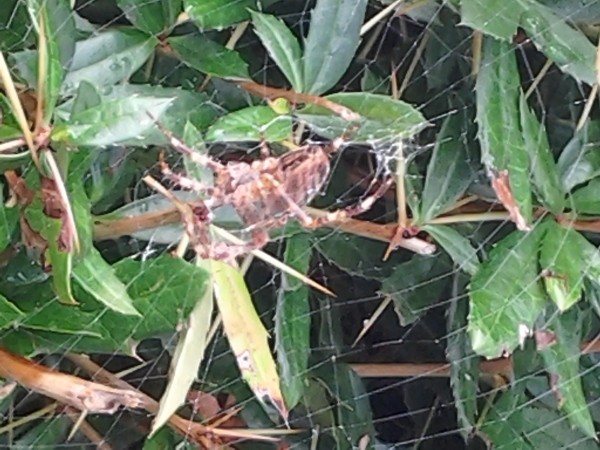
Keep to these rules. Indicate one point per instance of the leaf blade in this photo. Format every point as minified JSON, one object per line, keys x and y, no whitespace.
{"x":332,"y":39}
{"x":97,"y":277}
{"x":282,"y":45}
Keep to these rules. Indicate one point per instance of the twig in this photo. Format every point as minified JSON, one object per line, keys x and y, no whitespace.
{"x":498,"y":366}
{"x":81,"y":394}
{"x":88,"y":431}
{"x":178,"y":423}
{"x":296,"y":97}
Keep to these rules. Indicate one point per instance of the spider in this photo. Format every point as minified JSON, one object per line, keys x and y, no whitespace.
{"x":265,"y":193}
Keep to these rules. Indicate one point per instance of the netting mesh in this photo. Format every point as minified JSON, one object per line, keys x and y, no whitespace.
{"x":458,"y":309}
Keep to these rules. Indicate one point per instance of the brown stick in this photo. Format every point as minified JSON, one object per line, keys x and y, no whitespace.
{"x":81,"y":394}
{"x":498,"y":366}
{"x":296,"y":97}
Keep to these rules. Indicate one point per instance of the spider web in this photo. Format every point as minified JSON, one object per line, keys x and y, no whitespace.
{"x":385,"y":380}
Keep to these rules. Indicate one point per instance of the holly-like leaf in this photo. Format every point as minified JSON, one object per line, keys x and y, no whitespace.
{"x":543,"y":168}
{"x":219,"y":14}
{"x":166,"y":289}
{"x":448,"y":172}
{"x":208,"y":57}
{"x":97,"y":278}
{"x":560,"y":435}
{"x":151,"y":16}
{"x":586,"y":199}
{"x":416,"y":285}
{"x":567,"y":47}
{"x":108,"y":57}
{"x":382,"y":118}
{"x":464,"y":363}
{"x":60,"y":35}
{"x":9,"y":217}
{"x":10,"y":315}
{"x":503,"y":425}
{"x":282,"y":46}
{"x":332,"y":40}
{"x":113,"y":121}
{"x":563,"y":262}
{"x":579,"y":161}
{"x":255,"y":123}
{"x":292,"y":321}
{"x":456,"y":245}
{"x":498,"y":18}
{"x":561,"y":359}
{"x":502,"y":145}
{"x":506,"y":295}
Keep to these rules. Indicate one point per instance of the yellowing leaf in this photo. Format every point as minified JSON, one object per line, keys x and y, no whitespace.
{"x":186,"y":359}
{"x":247,"y":335}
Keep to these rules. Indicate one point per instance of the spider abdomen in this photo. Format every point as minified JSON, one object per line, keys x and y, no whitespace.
{"x":304,"y":172}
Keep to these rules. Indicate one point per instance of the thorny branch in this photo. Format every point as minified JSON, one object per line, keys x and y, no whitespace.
{"x":107,"y":396}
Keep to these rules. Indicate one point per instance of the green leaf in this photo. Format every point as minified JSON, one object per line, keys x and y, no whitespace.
{"x":580,"y":12}
{"x":10,"y":315}
{"x":464,"y":363}
{"x":108,"y":57}
{"x":456,"y":245}
{"x":579,"y":161}
{"x":166,"y":289}
{"x":448,"y":172}
{"x":498,"y":18}
{"x":503,"y":425}
{"x":506,"y":295}
{"x":560,"y":435}
{"x":163,"y":440}
{"x":60,"y":260}
{"x":151,"y":16}
{"x":186,"y":358}
{"x":543,"y":168}
{"x":97,"y":277}
{"x":382,"y":118}
{"x":14,"y":160}
{"x":62,"y":264}
{"x":184,"y":106}
{"x":416,"y":285}
{"x":60,"y":38}
{"x":351,"y":406}
{"x":561,"y":359}
{"x":282,"y":46}
{"x":9,"y":217}
{"x":355,"y":255}
{"x":113,"y":121}
{"x":566,"y":46}
{"x":51,"y":316}
{"x":292,"y":321}
{"x":502,"y":144}
{"x":586,"y":200}
{"x":333,"y":38}
{"x":193,"y":139}
{"x":220,"y":13}
{"x":254,"y":123}
{"x":563,"y":262}
{"x":16,"y":31}
{"x":47,"y":434}
{"x":208,"y":57}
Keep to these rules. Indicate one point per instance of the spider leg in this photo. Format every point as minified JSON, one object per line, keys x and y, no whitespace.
{"x":346,"y":213}
{"x":185,"y":182}
{"x":265,"y":152}
{"x":196,"y":157}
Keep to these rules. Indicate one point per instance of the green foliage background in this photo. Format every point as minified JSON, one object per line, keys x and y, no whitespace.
{"x":490,"y":90}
